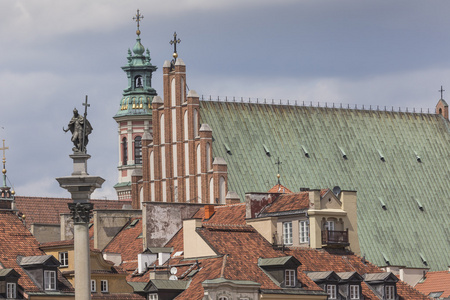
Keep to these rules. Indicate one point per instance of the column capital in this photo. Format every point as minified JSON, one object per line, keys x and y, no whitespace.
{"x":81,"y":212}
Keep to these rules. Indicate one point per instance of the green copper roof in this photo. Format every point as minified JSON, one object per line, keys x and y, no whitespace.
{"x":401,"y":158}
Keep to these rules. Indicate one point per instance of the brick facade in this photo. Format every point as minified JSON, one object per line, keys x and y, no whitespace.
{"x":177,"y":157}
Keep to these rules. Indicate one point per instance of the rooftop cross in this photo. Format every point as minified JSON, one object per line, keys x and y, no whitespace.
{"x":138,"y":18}
{"x":3,"y":149}
{"x":442,"y":92}
{"x":278,"y":174}
{"x":174,"y":42}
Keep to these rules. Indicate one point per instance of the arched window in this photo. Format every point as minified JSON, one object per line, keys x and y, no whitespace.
{"x":124,"y":151}
{"x":138,"y":81}
{"x":138,"y":150}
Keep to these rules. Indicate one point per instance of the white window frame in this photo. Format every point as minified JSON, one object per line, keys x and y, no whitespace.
{"x":287,"y":233}
{"x":389,"y":291}
{"x":93,"y":286}
{"x":64,"y":258}
{"x":303,"y":229}
{"x":354,"y":292}
{"x":11,"y":290}
{"x":153,"y":297}
{"x":104,"y":286}
{"x":289,"y":278}
{"x":49,"y":280}
{"x":331,"y":291}
{"x":329,"y":225}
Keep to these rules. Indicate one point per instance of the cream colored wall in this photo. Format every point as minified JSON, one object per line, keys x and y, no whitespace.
{"x":194,"y":245}
{"x":315,"y":231}
{"x":349,"y":205}
{"x":70,"y":252}
{"x":267,"y":227}
{"x":117,"y":284}
{"x":45,"y":297}
{"x":412,"y":276}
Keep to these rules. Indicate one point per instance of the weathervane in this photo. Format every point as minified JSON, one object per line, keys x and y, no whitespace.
{"x":138,"y":18}
{"x":442,"y":92}
{"x":4,"y":149}
{"x":174,"y":42}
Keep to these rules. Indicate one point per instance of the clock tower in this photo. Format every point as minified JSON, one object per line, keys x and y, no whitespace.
{"x":134,"y":117}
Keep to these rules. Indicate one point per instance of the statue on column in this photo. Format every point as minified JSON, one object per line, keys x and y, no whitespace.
{"x":80,"y":128}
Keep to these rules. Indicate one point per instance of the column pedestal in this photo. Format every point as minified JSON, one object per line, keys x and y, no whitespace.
{"x":81,"y":185}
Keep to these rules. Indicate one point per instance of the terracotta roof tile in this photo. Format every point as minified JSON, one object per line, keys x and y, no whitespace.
{"x":288,"y":202}
{"x":227,"y":214}
{"x":279,"y":188}
{"x":435,"y":282}
{"x":16,"y":240}
{"x":47,"y":210}
{"x":345,"y":261}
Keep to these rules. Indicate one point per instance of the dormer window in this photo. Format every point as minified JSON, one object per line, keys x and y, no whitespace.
{"x":389,"y":292}
{"x":11,"y":290}
{"x":354,"y":292}
{"x":331,"y":291}
{"x":49,"y":280}
{"x":289,"y":278}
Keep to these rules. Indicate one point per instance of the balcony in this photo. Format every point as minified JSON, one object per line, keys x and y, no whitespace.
{"x":335,"y":238}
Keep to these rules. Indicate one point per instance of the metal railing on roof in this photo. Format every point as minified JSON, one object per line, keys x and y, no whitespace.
{"x":336,"y":105}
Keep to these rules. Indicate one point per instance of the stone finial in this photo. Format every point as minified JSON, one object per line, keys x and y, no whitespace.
{"x":179,"y":62}
{"x":192,"y":94}
{"x":232,"y":198}
{"x":205,"y":127}
{"x":219,"y":161}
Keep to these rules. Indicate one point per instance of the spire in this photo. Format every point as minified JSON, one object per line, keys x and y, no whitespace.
{"x":6,"y":193}
{"x":138,"y":96}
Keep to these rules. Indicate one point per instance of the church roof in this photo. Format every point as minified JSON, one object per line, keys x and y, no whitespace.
{"x":397,"y":162}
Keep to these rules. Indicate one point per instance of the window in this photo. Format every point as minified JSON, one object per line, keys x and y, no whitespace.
{"x":104,"y":286}
{"x":64,"y":259}
{"x":138,"y":81}
{"x":138,"y":150}
{"x":153,"y":297}
{"x":389,"y":290}
{"x":50,"y":280}
{"x":11,"y":290}
{"x":124,"y":151}
{"x":331,"y":291}
{"x":93,"y":286}
{"x":289,"y":278}
{"x":329,"y":225}
{"x":223,"y":298}
{"x":304,"y":231}
{"x":287,"y":233}
{"x":354,"y":291}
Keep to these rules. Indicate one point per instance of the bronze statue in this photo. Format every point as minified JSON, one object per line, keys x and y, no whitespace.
{"x":80,"y":128}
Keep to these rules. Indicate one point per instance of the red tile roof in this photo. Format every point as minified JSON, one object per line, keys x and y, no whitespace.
{"x":233,"y":214}
{"x":345,"y":261}
{"x":279,"y":188}
{"x":15,"y":240}
{"x":128,"y":243}
{"x":48,"y":210}
{"x":435,"y":282}
{"x":288,"y":202}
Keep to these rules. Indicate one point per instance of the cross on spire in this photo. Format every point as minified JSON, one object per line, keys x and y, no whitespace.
{"x":278,"y":163}
{"x":3,"y":149}
{"x":138,"y":18}
{"x":442,"y":92}
{"x":174,"y":42}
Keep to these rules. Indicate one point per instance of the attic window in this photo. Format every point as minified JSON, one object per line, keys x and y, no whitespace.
{"x":133,"y":223}
{"x":50,"y":280}
{"x":389,"y":292}
{"x":381,"y":156}
{"x":266,"y":150}
{"x":331,"y":291}
{"x":344,"y":155}
{"x":227,"y":148}
{"x":11,"y":290}
{"x":383,"y":205}
{"x":435,"y":295}
{"x":305,"y":151}
{"x":289,"y":278}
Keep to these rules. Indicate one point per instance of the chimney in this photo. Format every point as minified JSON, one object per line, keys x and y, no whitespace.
{"x":209,"y":211}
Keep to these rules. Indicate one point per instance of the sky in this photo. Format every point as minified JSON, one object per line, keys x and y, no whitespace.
{"x":54,"y":53}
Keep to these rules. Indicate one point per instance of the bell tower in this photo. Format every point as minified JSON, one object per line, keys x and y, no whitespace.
{"x":134,"y":117}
